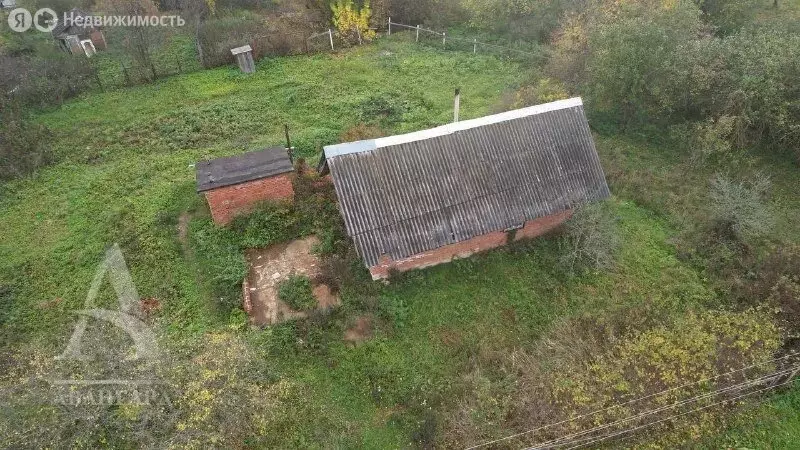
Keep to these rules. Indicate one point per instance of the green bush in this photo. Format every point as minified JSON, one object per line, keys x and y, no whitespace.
{"x":24,"y":146}
{"x":640,"y":65}
{"x":591,"y":239}
{"x":739,"y":209}
{"x":385,"y":107}
{"x":636,"y":59}
{"x":270,"y":223}
{"x":296,"y":292}
{"x":394,"y":310}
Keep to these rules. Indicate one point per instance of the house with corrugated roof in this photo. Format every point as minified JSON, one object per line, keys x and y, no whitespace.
{"x":425,"y":198}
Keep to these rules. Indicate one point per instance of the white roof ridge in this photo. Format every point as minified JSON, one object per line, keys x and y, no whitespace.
{"x":443,"y":130}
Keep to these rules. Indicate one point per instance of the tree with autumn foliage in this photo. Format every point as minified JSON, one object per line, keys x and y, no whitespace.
{"x":352,"y":22}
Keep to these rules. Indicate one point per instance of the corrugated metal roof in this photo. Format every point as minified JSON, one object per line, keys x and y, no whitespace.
{"x":407,"y":194}
{"x":250,"y":166}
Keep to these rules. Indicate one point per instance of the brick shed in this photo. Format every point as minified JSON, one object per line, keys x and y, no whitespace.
{"x":235,"y":184}
{"x":424,"y":198}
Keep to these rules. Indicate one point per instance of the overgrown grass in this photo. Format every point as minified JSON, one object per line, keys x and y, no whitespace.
{"x":296,"y":292}
{"x":125,"y":175}
{"x":126,"y":156}
{"x":775,"y":424}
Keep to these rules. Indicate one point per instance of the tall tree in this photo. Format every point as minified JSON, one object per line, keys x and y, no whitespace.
{"x":139,"y":39}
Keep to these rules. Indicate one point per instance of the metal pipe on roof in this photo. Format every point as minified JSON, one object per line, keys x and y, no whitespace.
{"x":457,"y":105}
{"x":289,"y":147}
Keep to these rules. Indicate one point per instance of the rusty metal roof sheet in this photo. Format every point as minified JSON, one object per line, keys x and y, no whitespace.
{"x":238,"y":169}
{"x":407,"y":194}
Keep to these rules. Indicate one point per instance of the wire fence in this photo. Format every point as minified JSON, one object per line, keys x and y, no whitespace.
{"x":448,"y":41}
{"x":622,"y":420}
{"x":183,"y":56}
{"x":329,"y":40}
{"x":320,"y":41}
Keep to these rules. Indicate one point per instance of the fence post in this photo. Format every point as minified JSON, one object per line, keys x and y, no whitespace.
{"x":417,"y":33}
{"x":358,"y":30}
{"x":330,"y":36}
{"x":97,"y":78}
{"x":475,"y":46}
{"x":444,"y":39}
{"x":390,"y":26}
{"x":125,"y":73}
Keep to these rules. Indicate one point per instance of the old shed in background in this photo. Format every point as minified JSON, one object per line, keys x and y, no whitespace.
{"x":76,"y":33}
{"x":244,"y":58}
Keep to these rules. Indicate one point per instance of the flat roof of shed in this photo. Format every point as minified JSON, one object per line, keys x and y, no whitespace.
{"x":238,"y":169}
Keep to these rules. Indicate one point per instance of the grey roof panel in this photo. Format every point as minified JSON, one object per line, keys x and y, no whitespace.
{"x":238,"y":169}
{"x":404,"y":195}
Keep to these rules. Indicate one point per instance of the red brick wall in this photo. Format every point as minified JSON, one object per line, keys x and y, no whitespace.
{"x":532,"y":228}
{"x":542,"y":225}
{"x":226,"y":202}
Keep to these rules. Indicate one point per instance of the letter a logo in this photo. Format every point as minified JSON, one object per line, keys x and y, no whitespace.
{"x":143,"y":338}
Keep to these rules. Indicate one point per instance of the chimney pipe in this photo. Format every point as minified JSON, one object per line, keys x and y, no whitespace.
{"x":289,"y":147}
{"x":457,"y":105}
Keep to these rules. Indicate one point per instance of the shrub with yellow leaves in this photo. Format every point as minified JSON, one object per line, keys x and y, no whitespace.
{"x":352,"y":22}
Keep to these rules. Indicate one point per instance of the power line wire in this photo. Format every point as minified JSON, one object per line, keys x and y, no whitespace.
{"x":512,"y":436}
{"x":668,"y":407}
{"x":679,"y":415}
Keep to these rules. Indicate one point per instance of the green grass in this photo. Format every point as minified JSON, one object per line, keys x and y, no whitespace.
{"x":126,"y":156}
{"x":296,"y":292}
{"x":775,"y":424}
{"x":124,"y":175}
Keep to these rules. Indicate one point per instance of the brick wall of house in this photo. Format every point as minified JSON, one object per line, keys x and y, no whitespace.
{"x":530,"y":229}
{"x":226,"y":202}
{"x":542,"y":225}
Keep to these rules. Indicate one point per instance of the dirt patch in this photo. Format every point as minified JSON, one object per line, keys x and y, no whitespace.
{"x":269,"y":266}
{"x":450,"y":338}
{"x":149,"y":305}
{"x":50,"y":303}
{"x":361,"y":330}
{"x":325,"y":297}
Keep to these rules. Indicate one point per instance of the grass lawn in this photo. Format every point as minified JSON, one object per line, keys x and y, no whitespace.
{"x":126,"y":162}
{"x":125,"y":175}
